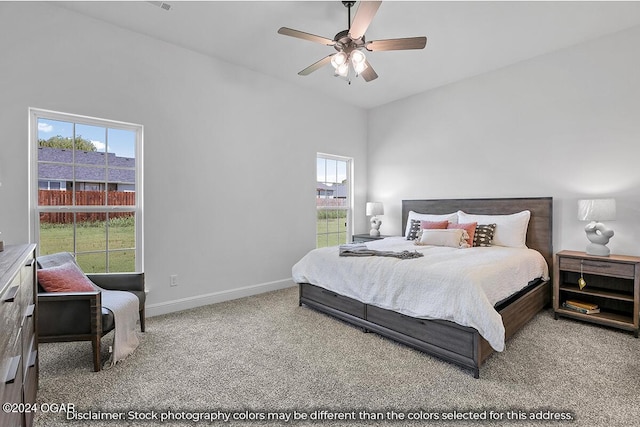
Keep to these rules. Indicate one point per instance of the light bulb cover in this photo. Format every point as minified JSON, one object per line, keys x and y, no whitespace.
{"x":338,"y":59}
{"x":357,"y":57}
{"x":360,"y":67}
{"x":343,"y":69}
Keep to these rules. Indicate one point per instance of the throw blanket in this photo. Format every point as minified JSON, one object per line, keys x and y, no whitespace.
{"x":124,"y":306}
{"x":363,"y":250}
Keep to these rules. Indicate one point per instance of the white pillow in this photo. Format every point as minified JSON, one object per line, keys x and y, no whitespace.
{"x":452,"y":237}
{"x":511,"y":230}
{"x":452,"y":217}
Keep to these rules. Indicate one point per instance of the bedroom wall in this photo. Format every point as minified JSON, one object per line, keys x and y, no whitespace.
{"x":563,"y":125}
{"x":229,"y":154}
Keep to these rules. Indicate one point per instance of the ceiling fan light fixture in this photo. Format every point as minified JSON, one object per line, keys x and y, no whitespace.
{"x":360,"y":67}
{"x":357,"y":57}
{"x":342,"y":70}
{"x":339,"y":59}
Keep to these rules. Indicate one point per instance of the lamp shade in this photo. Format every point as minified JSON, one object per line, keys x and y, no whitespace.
{"x":597,"y":209}
{"x":375,"y":208}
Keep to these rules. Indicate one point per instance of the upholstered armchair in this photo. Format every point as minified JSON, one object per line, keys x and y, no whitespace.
{"x":80,"y":316}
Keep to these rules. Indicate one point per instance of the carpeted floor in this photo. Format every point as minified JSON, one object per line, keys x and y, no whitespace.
{"x":263,"y":356}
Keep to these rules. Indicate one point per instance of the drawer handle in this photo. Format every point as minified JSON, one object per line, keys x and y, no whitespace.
{"x":10,"y":296}
{"x":30,"y":262}
{"x":29,"y":311}
{"x":329,"y":293}
{"x":12,"y":373}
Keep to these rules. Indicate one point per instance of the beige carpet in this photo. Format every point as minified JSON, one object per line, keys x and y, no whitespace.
{"x":265,"y":356}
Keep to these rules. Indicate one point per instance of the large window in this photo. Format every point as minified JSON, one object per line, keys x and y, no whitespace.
{"x":86,"y":190}
{"x":333,"y":200}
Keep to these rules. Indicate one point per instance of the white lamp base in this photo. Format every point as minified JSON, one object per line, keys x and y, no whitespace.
{"x":599,"y":236}
{"x":375,"y":227}
{"x":597,"y":250}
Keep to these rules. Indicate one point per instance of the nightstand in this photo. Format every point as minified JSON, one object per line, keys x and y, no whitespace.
{"x":613,"y":283}
{"x":360,"y":238}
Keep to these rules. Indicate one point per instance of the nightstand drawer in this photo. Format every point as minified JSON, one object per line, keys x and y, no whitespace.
{"x":605,"y":267}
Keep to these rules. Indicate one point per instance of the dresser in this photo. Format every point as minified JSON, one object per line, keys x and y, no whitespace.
{"x":18,"y":337}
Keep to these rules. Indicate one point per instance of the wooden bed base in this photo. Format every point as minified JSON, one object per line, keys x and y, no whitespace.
{"x":447,"y":340}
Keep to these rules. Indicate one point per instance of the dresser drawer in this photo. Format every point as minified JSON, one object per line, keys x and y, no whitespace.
{"x":333,"y":300}
{"x":604,"y":268}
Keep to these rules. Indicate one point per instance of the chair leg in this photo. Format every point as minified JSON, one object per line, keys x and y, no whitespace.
{"x":142,"y":319}
{"x":95,"y":343}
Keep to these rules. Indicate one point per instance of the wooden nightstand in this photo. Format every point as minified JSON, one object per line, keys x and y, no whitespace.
{"x":613,"y":283}
{"x":360,"y":238}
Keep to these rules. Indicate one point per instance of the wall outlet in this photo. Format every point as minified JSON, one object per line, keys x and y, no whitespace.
{"x":173,"y":280}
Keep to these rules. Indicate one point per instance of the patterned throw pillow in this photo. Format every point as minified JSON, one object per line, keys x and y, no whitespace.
{"x":64,"y":278}
{"x":484,"y":234}
{"x":413,"y":231}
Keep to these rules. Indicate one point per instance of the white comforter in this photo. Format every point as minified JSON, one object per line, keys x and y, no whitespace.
{"x":460,"y":285}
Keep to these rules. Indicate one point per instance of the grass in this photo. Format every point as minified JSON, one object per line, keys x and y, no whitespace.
{"x":331,"y":232}
{"x":91,"y":243}
{"x":91,"y":239}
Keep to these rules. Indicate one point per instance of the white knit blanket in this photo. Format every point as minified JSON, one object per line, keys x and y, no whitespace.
{"x":125,"y":307}
{"x":460,"y":285}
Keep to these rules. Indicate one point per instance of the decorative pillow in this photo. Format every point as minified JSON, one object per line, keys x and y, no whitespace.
{"x":484,"y":234}
{"x":413,"y":229}
{"x":469,"y":227}
{"x":66,"y":277}
{"x":454,"y":238}
{"x":433,"y":225}
{"x":511,"y":230}
{"x":452,"y":217}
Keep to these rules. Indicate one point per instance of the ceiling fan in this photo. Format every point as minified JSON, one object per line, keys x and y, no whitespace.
{"x":351,"y":44}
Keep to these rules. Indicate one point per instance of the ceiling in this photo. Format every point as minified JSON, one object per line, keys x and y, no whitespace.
{"x":465,"y":38}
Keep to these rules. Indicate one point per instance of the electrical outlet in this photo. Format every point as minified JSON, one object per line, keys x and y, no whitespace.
{"x":173,"y":280}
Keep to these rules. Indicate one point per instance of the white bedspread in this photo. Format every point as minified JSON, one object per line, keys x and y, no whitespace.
{"x":460,"y":285}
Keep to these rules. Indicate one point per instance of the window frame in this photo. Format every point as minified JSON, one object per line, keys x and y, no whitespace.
{"x":349,"y":205}
{"x":35,"y":210}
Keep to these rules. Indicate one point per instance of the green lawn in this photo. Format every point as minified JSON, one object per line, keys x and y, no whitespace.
{"x":90,"y":243}
{"x":331,"y":232}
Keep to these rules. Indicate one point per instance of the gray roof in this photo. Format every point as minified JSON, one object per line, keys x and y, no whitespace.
{"x":337,"y":190}
{"x":56,"y":164}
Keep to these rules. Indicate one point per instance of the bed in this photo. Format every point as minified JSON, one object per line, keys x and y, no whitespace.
{"x":460,"y":341}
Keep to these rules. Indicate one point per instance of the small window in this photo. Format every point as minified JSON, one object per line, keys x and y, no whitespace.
{"x":333,"y":200}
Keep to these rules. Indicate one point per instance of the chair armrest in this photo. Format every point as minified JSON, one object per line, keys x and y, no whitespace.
{"x":118,"y":281}
{"x":67,"y":313}
{"x":66,"y":296}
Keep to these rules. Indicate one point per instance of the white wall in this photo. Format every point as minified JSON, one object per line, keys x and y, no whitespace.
{"x":229,"y":154}
{"x":565,"y":125}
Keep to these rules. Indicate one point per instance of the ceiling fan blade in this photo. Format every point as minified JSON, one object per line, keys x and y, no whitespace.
{"x":397,"y":44}
{"x":316,"y":65}
{"x":364,"y":15}
{"x":306,"y":36}
{"x":369,"y":74}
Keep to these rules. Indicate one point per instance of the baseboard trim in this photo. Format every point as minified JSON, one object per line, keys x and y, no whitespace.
{"x":215,"y":297}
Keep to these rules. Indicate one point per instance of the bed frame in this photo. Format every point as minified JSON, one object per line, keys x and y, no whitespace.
{"x":449,"y":341}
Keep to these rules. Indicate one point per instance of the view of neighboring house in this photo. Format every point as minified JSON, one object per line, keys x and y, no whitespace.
{"x":331,"y":191}
{"x":93,"y":170}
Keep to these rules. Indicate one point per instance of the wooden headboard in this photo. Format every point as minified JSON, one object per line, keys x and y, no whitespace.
{"x":539,"y":233}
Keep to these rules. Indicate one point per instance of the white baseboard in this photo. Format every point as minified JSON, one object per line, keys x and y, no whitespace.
{"x":216,"y":297}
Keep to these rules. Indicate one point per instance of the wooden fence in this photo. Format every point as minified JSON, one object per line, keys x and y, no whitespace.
{"x":83,"y":198}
